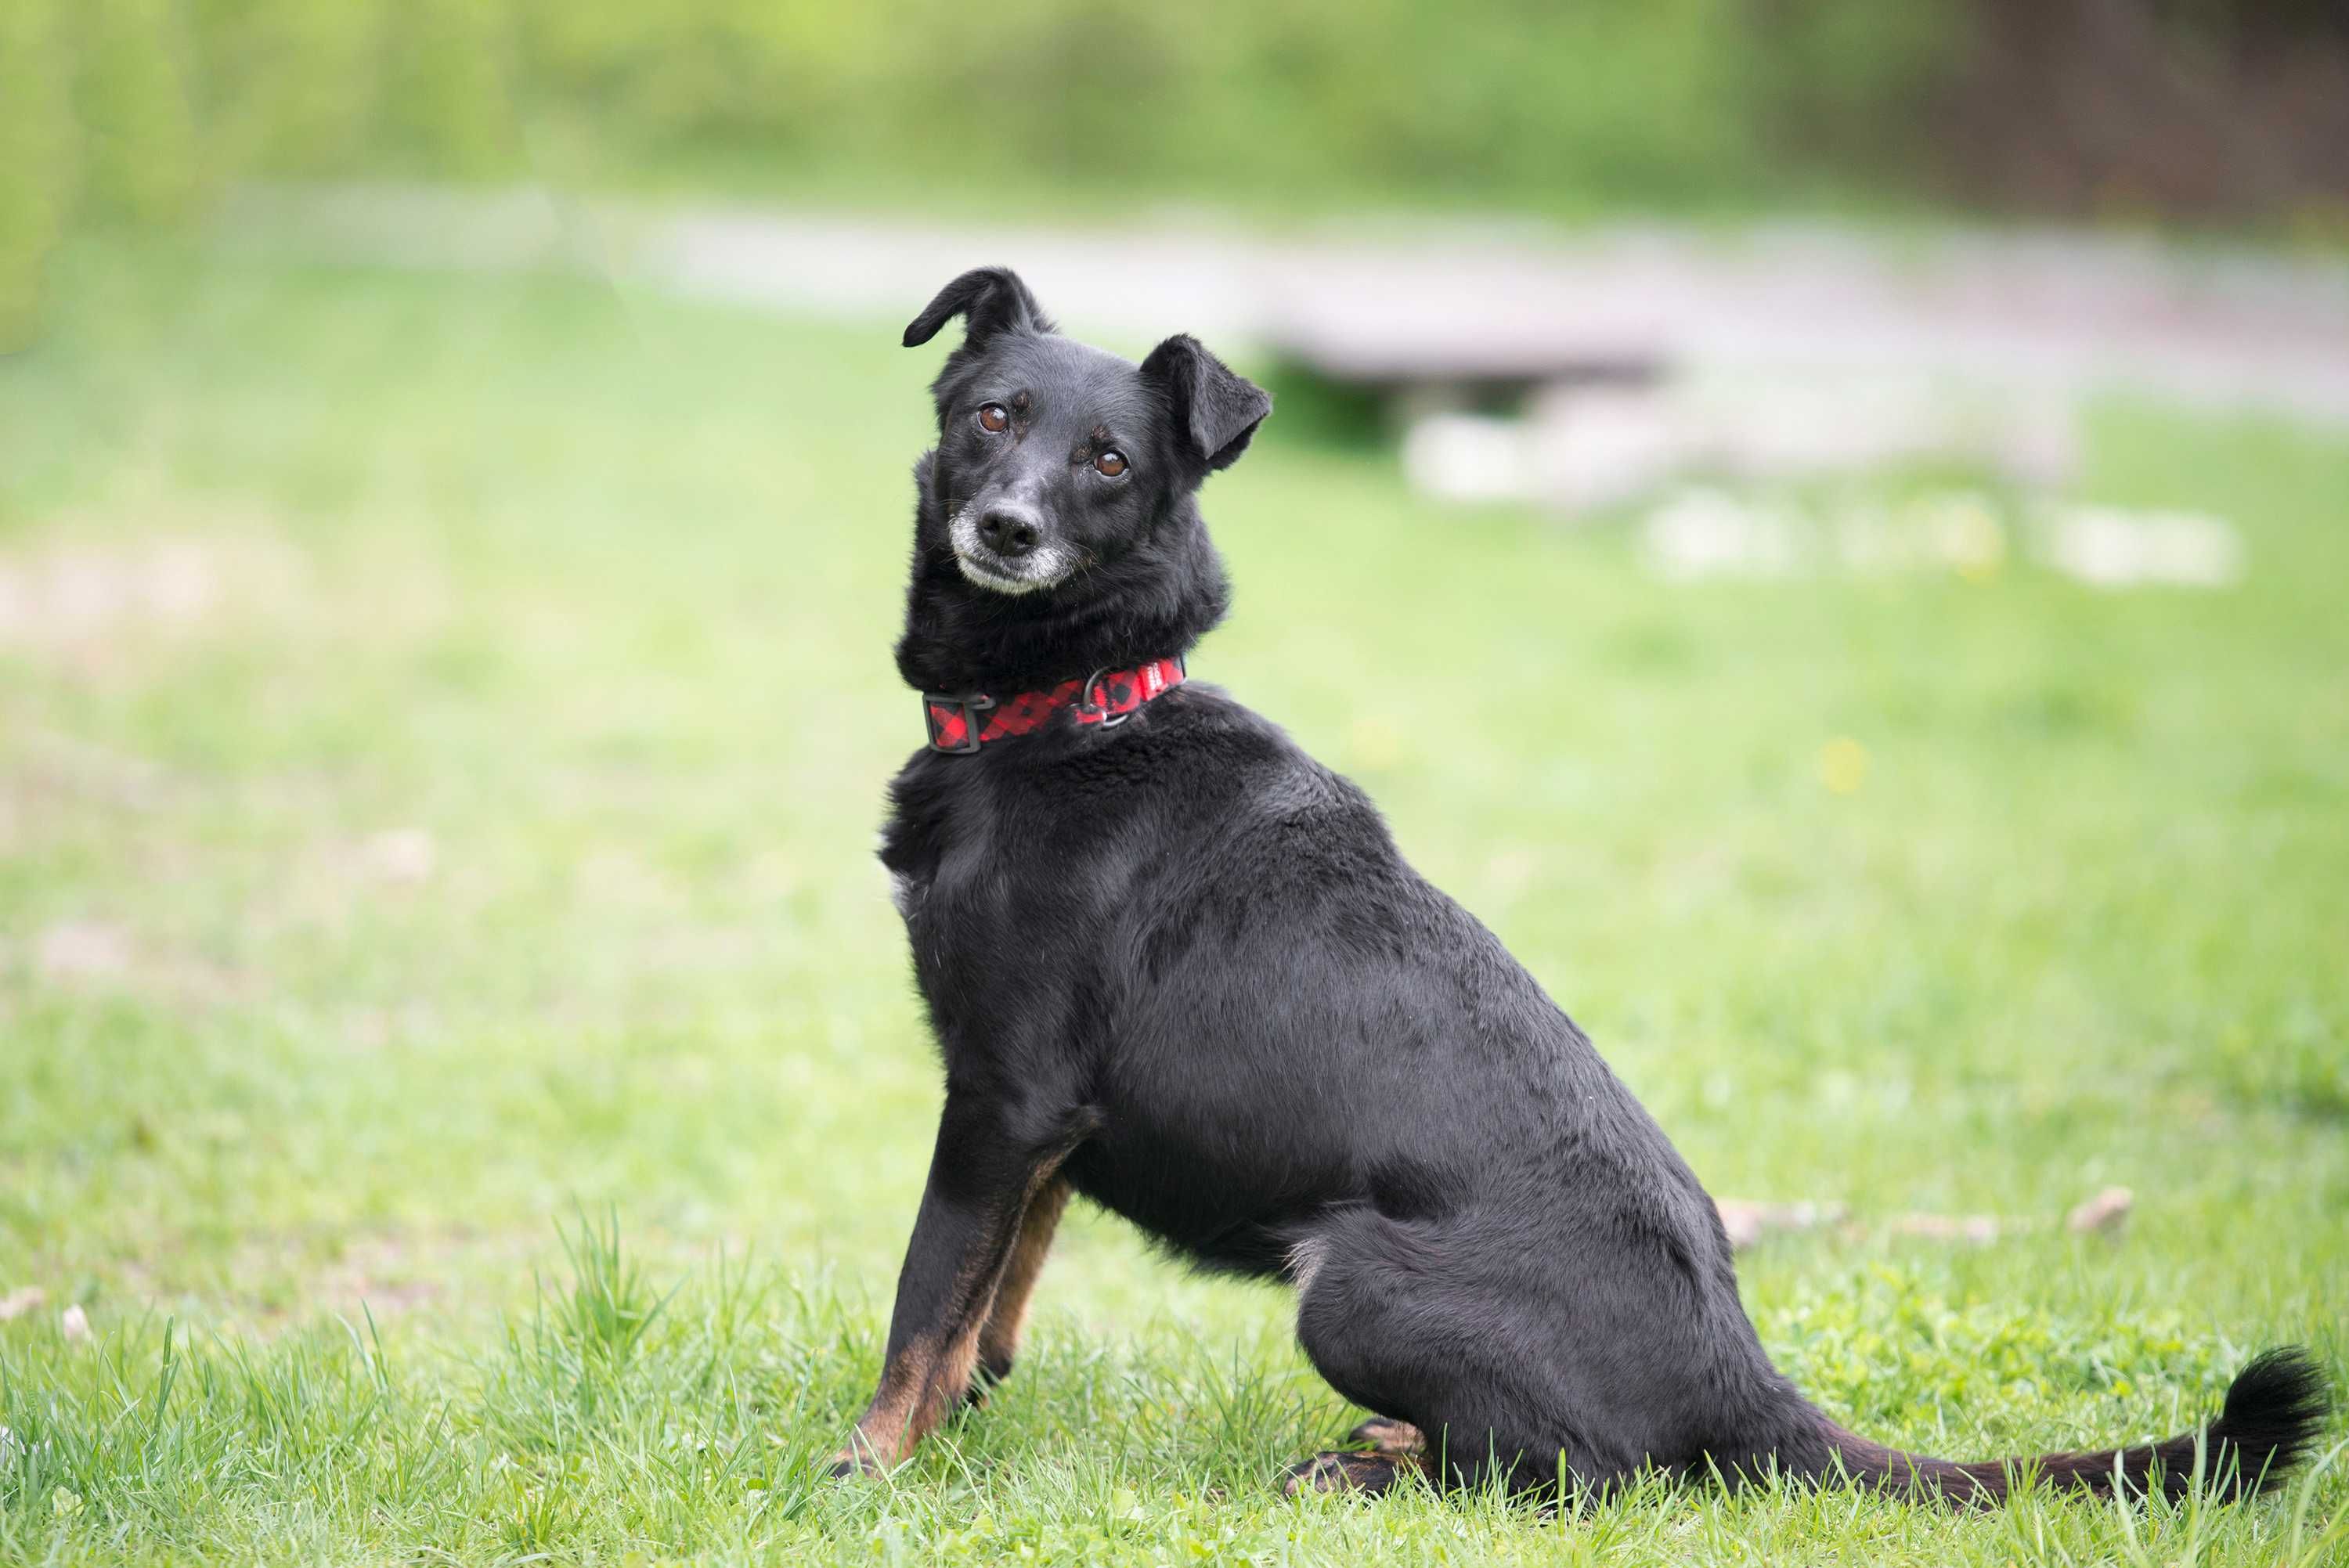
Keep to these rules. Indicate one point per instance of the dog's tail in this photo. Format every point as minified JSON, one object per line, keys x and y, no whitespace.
{"x":2275,"y":1410}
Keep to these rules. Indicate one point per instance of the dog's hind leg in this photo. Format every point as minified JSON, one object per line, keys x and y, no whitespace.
{"x":998,"y":1337}
{"x":1421,"y":1324}
{"x":1381,"y":1434}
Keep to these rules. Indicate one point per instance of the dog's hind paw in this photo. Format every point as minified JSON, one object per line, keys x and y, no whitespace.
{"x":1366,"y":1474}
{"x":1384,"y":1435}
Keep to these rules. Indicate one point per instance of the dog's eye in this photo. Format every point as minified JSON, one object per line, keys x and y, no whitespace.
{"x":1111,"y":463}
{"x":992,"y":417}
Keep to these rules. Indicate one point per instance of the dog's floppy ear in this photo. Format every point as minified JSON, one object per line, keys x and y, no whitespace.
{"x":991,"y":300}
{"x":1215,"y":409}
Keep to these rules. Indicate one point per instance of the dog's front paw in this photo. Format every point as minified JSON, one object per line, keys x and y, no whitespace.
{"x":991,"y":1370}
{"x":857,"y":1463}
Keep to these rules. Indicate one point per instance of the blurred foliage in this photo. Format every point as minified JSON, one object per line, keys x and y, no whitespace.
{"x":131,"y":90}
{"x":1676,"y":102}
{"x":35,"y":157}
{"x":134,"y":111}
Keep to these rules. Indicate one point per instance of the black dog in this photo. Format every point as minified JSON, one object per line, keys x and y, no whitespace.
{"x":1176,"y":965}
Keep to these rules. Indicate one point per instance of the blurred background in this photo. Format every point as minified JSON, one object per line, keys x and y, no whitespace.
{"x":1610,"y":228}
{"x":1820,"y":521}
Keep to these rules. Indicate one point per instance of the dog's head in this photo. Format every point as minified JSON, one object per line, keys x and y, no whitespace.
{"x":1062,"y":471}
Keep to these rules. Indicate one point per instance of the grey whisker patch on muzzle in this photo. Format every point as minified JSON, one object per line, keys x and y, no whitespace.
{"x":1047,"y":567}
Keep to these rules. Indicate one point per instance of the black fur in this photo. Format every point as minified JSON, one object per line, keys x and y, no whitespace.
{"x":1181,"y":965}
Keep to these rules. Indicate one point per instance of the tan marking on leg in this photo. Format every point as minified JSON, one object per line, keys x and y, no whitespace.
{"x":998,"y":1341}
{"x":916,"y":1393}
{"x":879,"y":1440}
{"x":950,"y":1380}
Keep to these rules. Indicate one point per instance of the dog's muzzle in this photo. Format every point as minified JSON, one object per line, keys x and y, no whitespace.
{"x":1007,"y":549}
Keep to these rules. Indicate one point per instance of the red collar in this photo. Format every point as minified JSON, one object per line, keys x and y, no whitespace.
{"x":962,"y":723}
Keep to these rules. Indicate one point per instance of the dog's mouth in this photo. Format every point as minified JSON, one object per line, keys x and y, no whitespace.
{"x":991,"y":572}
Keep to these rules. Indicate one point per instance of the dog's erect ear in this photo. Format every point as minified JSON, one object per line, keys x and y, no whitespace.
{"x":1215,"y":409}
{"x":991,"y":300}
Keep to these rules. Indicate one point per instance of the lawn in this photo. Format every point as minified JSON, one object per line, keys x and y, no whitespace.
{"x":457,"y":1052}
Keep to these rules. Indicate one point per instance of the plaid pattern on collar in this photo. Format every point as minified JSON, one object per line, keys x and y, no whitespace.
{"x":962,"y":723}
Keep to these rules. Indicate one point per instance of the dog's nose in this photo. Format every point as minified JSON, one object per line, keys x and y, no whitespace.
{"x":1008,"y":534}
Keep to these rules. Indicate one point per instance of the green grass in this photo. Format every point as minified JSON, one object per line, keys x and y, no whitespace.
{"x":456,"y":1049}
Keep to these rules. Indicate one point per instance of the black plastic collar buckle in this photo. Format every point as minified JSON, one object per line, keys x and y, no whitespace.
{"x":971,"y":703}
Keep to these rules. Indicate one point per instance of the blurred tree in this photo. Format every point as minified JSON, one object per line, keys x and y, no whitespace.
{"x":2140,"y":107}
{"x":138,"y":128}
{"x":293,"y":83}
{"x":35,"y":158}
{"x":450,"y":104}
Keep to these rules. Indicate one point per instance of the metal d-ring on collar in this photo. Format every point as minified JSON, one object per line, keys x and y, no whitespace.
{"x":1085,"y":704}
{"x":1108,"y":720}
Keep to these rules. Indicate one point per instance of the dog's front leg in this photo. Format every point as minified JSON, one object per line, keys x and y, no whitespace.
{"x":983,"y":1180}
{"x":998,"y":1337}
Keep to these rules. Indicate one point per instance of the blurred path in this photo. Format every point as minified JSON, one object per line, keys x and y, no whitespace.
{"x":2044,"y":311}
